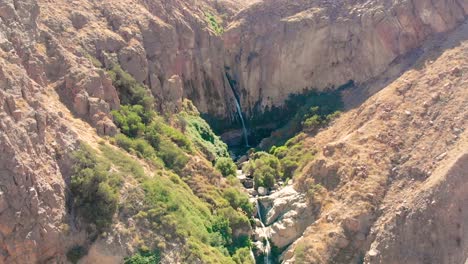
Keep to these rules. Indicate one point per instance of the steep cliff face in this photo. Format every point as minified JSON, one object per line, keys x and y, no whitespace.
{"x":279,"y":47}
{"x":174,"y":47}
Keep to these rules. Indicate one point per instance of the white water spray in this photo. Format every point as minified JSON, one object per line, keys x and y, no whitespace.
{"x":244,"y":129}
{"x":267,"y":248}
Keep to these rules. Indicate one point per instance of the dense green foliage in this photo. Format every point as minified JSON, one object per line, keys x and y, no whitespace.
{"x":243,"y":256}
{"x":265,"y":169}
{"x":238,"y":200}
{"x":200,"y":133}
{"x":130,"y":91}
{"x":226,"y":166}
{"x":293,"y":155}
{"x":146,"y":134}
{"x":309,"y":112}
{"x":144,"y":258}
{"x":76,"y":253}
{"x":94,"y":190}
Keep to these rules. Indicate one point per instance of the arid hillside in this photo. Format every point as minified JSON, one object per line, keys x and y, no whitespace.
{"x":107,"y":152}
{"x":393,"y":170}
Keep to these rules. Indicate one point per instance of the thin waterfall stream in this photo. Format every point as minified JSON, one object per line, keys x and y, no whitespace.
{"x":244,"y":129}
{"x":239,"y":110}
{"x":267,"y":248}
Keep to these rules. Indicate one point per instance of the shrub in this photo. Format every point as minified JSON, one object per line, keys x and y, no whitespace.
{"x":173,"y":157}
{"x":76,"y":253}
{"x":289,"y":167}
{"x":144,"y":257}
{"x":238,"y":200}
{"x":132,"y":120}
{"x":214,"y":24}
{"x":265,"y":168}
{"x":201,"y":134}
{"x":226,"y":166}
{"x":312,"y":123}
{"x":221,"y":225}
{"x":130,"y":91}
{"x":93,"y":189}
{"x":243,"y":256}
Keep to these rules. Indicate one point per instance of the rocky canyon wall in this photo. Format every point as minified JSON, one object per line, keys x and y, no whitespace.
{"x":279,"y":47}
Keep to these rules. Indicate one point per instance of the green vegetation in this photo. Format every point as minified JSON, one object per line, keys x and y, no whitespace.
{"x":147,"y":135}
{"x":76,"y":253}
{"x":265,"y":168}
{"x":313,"y":119}
{"x":92,"y":59}
{"x":226,"y":166}
{"x":130,"y":91}
{"x":309,"y":112}
{"x":238,"y":200}
{"x":243,"y":256}
{"x":94,"y":190}
{"x":200,"y":133}
{"x":144,"y":257}
{"x":217,"y":27}
{"x":204,"y":221}
{"x":299,"y":254}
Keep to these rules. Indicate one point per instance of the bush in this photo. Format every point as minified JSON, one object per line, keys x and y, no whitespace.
{"x":226,"y":166}
{"x":173,"y":157}
{"x":289,"y":167}
{"x":93,"y":189}
{"x":76,"y":253}
{"x":312,"y":123}
{"x":200,"y":133}
{"x":238,"y":200}
{"x":132,"y":120}
{"x":265,"y":169}
{"x":144,"y":257}
{"x":130,"y":91}
{"x":214,"y":24}
{"x":243,"y":256}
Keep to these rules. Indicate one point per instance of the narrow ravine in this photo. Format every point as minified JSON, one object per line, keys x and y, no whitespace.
{"x":263,"y":241}
{"x":265,"y":236}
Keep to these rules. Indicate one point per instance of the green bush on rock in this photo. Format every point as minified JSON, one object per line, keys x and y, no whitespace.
{"x":265,"y":169}
{"x":226,"y":166}
{"x":94,"y":190}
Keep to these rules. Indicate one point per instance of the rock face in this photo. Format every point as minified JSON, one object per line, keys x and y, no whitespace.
{"x":287,"y":214}
{"x":167,"y":45}
{"x":394,"y":169}
{"x":34,"y":140}
{"x":279,"y":47}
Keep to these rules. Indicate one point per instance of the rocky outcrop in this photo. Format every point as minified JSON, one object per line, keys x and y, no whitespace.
{"x":287,"y":214}
{"x":279,"y":47}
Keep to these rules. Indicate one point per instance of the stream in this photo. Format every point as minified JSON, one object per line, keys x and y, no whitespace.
{"x":267,"y":249}
{"x":263,"y":242}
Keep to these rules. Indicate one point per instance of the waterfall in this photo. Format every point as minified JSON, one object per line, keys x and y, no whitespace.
{"x":239,"y":109}
{"x":267,"y":248}
{"x":244,"y":130}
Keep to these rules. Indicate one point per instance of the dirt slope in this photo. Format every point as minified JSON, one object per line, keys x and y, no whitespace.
{"x":394,"y":169}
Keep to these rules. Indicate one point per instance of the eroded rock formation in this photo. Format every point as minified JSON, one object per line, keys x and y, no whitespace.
{"x":279,"y":47}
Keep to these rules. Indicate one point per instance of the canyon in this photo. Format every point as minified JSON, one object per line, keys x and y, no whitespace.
{"x":383,"y":182}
